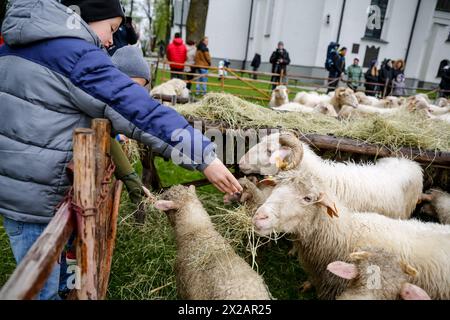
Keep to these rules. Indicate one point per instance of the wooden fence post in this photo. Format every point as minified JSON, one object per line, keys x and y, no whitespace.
{"x":84,"y":198}
{"x":102,"y":129}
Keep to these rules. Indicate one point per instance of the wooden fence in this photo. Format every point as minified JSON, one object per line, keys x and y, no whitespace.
{"x":90,"y":211}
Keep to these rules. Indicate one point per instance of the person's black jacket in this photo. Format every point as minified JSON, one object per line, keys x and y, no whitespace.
{"x":124,"y":36}
{"x":338,"y":66}
{"x":386,"y":74}
{"x":256,"y":62}
{"x":445,"y":82}
{"x":280,"y":60}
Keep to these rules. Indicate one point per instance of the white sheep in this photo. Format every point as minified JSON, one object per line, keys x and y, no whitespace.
{"x":391,"y":187}
{"x":321,"y":107}
{"x":301,"y":205}
{"x":439,"y":205}
{"x":376,"y":274}
{"x":442,"y":102}
{"x":207,"y":268}
{"x":311,"y":99}
{"x":389,"y":103}
{"x":366,"y":100}
{"x":280,"y":96}
{"x":344,"y":97}
{"x":361,"y":110}
{"x":174,"y":87}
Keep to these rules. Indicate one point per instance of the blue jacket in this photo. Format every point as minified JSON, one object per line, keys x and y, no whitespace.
{"x":54,"y":78}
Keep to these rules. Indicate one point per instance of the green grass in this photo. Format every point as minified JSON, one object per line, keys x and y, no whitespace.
{"x":240,"y":91}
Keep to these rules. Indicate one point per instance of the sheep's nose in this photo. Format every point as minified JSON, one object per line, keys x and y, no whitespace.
{"x":244,"y":164}
{"x":260,"y":216}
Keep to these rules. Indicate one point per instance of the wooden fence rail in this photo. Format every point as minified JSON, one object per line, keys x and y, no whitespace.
{"x":90,"y":213}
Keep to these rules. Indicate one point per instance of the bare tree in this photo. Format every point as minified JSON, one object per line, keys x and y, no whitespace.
{"x":3,"y":4}
{"x":196,"y":22}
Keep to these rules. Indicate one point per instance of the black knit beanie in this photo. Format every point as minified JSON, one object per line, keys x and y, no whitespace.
{"x":97,"y":10}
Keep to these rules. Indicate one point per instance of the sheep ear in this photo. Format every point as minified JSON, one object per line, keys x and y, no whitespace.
{"x":360,"y":255}
{"x":409,"y":270}
{"x":425,"y":198}
{"x":164,"y":205}
{"x":192,"y":188}
{"x":325,"y":201}
{"x":268,"y":182}
{"x":412,"y":292}
{"x":343,"y":270}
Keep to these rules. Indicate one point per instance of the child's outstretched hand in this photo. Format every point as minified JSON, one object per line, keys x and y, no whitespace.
{"x":222,"y":178}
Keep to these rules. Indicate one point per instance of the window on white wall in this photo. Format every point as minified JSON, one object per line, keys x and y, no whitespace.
{"x":443,"y":5}
{"x":269,"y":17}
{"x":254,"y":21}
{"x":376,"y":18}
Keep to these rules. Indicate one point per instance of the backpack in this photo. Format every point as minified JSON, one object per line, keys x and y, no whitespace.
{"x":331,"y":53}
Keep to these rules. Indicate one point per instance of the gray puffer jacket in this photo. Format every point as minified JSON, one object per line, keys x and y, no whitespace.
{"x":54,"y":78}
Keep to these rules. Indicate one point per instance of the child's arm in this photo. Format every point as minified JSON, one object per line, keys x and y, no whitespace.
{"x":101,"y":90}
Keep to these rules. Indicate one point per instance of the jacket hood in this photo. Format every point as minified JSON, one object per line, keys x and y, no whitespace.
{"x":178,"y":41}
{"x":28,"y":21}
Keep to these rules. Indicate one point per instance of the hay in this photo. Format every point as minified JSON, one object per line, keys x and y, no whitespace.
{"x":400,"y":130}
{"x":133,"y":151}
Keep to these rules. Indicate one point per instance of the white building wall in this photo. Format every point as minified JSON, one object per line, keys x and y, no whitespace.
{"x":302,"y":25}
{"x":227,"y":28}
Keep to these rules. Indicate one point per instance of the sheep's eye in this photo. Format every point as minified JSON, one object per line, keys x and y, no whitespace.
{"x":269,"y":153}
{"x":308,"y":199}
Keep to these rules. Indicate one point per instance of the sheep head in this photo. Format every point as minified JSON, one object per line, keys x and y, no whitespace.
{"x":326,"y":109}
{"x":277,"y":152}
{"x":418,"y":104}
{"x":174,"y":200}
{"x":377,"y":275}
{"x":296,"y":200}
{"x":346,"y":97}
{"x":442,"y":102}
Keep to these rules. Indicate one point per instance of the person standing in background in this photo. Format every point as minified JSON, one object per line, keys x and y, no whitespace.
{"x":372,"y":78}
{"x":354,"y":75}
{"x":280,"y":60}
{"x":256,"y":63}
{"x":386,"y":77}
{"x":203,"y":62}
{"x":177,"y":52}
{"x":399,"y":79}
{"x":336,"y":70}
{"x":124,"y":36}
{"x":444,"y":86}
{"x":191,"y":51}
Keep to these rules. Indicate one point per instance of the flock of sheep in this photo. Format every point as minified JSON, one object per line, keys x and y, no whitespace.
{"x":350,"y":223}
{"x":345,"y":103}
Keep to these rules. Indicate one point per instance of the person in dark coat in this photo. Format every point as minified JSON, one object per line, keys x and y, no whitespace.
{"x":444,"y":86}
{"x":124,"y":36}
{"x":280,"y":60}
{"x":386,"y":77}
{"x":337,"y":69}
{"x":372,"y":77}
{"x":256,"y":63}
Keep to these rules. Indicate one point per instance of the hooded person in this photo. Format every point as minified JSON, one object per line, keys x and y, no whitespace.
{"x":177,"y":52}
{"x":67,"y":91}
{"x":386,"y":77}
{"x":372,"y":78}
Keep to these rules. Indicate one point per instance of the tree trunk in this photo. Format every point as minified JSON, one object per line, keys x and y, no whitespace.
{"x":3,"y":4}
{"x":196,"y":22}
